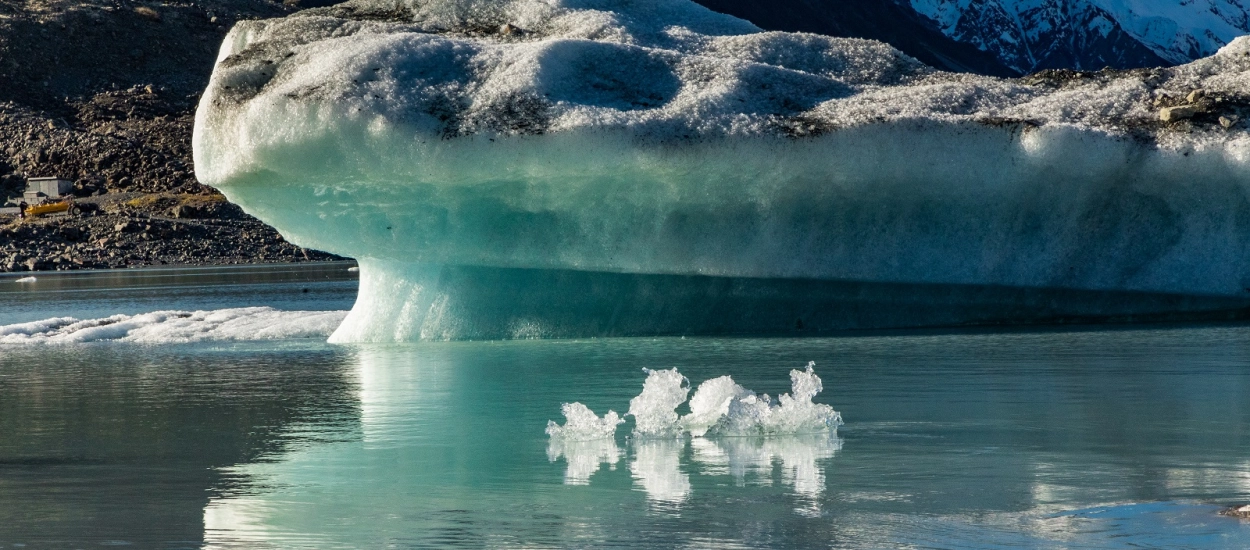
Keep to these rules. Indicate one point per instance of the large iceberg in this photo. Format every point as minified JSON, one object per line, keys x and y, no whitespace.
{"x":579,"y":167}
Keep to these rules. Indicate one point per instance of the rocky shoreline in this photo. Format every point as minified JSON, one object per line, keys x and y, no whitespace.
{"x":103,"y":93}
{"x":122,"y":230}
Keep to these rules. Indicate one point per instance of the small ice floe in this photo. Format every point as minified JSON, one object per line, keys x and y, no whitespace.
{"x":655,"y":409}
{"x":582,"y":424}
{"x":731,"y":429}
{"x":722,"y":407}
{"x":26,"y":280}
{"x":169,"y":327}
{"x":1242,"y":512}
{"x":719,"y":407}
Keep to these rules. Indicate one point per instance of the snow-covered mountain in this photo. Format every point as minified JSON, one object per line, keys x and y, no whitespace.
{"x":1029,"y":35}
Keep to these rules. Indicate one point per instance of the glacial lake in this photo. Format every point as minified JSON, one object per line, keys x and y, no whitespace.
{"x":208,"y":433}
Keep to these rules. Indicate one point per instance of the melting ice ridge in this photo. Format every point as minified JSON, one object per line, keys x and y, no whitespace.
{"x":167,"y":327}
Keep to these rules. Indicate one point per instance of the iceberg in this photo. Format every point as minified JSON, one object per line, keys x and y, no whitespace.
{"x":547,"y":168}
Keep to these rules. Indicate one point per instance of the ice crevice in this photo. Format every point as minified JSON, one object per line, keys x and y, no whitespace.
{"x":476,"y":155}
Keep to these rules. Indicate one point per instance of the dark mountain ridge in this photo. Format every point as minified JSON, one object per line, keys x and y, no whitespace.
{"x":881,"y":20}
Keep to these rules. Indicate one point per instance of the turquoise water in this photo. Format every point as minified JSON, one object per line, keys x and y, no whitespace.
{"x":1078,"y":439}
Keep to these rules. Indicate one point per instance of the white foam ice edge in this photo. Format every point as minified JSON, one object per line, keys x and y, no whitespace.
{"x":164,"y":327}
{"x":719,"y":406}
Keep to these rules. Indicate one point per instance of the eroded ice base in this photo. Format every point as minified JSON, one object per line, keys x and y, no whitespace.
{"x":407,"y":302}
{"x":536,"y":237}
{"x":1051,"y":207}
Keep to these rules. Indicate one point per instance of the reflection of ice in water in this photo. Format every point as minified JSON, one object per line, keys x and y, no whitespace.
{"x":712,"y":459}
{"x":752,"y":459}
{"x":745,"y":457}
{"x":657,"y":469}
{"x":583,"y":457}
{"x":235,"y":518}
{"x":799,"y":467}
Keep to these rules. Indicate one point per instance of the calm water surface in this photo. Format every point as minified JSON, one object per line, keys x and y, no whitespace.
{"x":1078,"y":439}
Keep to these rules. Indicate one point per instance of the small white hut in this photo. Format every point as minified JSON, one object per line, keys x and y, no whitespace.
{"x":42,"y":189}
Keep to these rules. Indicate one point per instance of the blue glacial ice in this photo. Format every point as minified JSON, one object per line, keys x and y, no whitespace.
{"x":535,"y":168}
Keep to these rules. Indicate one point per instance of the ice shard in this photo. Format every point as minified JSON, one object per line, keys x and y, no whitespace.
{"x":534,"y":168}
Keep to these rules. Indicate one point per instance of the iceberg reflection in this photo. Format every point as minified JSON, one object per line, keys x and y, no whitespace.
{"x":443,"y":448}
{"x":754,"y":460}
{"x":657,"y":470}
{"x":583,"y":457}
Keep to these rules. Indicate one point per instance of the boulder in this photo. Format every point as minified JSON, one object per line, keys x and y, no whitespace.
{"x":1179,"y":112}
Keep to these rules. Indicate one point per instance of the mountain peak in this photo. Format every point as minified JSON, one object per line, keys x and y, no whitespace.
{"x":1031,"y":35}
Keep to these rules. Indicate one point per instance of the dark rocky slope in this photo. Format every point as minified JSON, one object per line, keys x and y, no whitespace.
{"x":882,"y":20}
{"x":103,"y":93}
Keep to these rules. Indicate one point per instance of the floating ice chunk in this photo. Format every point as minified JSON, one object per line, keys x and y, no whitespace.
{"x":34,"y":328}
{"x":710,"y":403}
{"x":794,"y":413}
{"x":655,"y":409}
{"x":582,"y":424}
{"x":719,"y":407}
{"x":163,"y":327}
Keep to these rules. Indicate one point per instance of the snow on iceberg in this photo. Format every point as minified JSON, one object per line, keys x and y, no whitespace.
{"x":578,"y":167}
